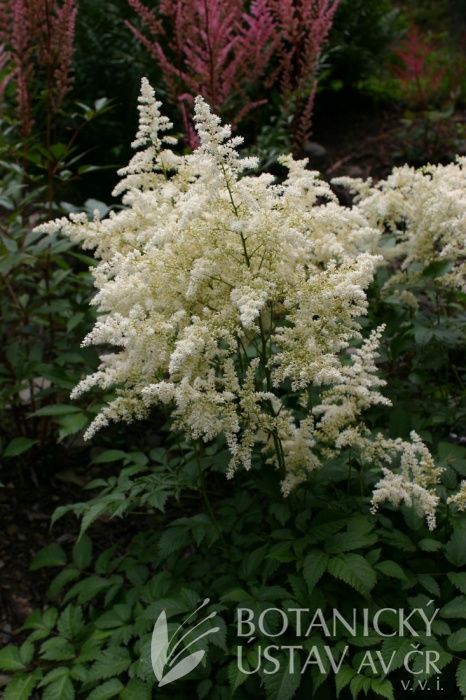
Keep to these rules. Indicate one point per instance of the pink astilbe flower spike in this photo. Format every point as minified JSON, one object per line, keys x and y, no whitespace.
{"x":216,"y":49}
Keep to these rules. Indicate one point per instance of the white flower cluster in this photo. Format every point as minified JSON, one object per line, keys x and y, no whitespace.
{"x":235,"y":300}
{"x":415,"y":481}
{"x":426,"y":211}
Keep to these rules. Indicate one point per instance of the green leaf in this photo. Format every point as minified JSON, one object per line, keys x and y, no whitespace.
{"x":423,"y":334}
{"x":282,"y":685}
{"x":457,"y":640}
{"x":392,"y":569}
{"x":357,"y":684}
{"x":60,"y":581}
{"x":21,"y":687}
{"x":60,"y":689}
{"x":71,"y":424}
{"x":429,"y":583}
{"x":106,"y":690}
{"x":458,"y":580}
{"x":455,"y":550}
{"x":52,"y":555}
{"x":461,"y":677}
{"x":56,"y":410}
{"x":383,"y":688}
{"x":57,"y":649}
{"x":314,"y":566}
{"x":82,"y":552}
{"x":343,"y":677}
{"x":10,"y":659}
{"x":109,"y":456}
{"x":71,"y":622}
{"x":354,"y":570}
{"x":136,"y":690}
{"x":18,"y":446}
{"x":235,"y":676}
{"x":110,"y":662}
{"x":348,"y":542}
{"x":428,"y":545}
{"x":455,"y":608}
{"x":88,"y":589}
{"x":91,"y":514}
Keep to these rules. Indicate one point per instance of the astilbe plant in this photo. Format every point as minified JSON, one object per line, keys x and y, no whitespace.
{"x":212,"y":48}
{"x":39,"y":36}
{"x":237,"y":301}
{"x":301,"y":28}
{"x":418,"y":73}
{"x":220,"y":51}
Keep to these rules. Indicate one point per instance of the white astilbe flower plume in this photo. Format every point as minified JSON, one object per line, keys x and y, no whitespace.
{"x":232,"y":299}
{"x":426,"y":210}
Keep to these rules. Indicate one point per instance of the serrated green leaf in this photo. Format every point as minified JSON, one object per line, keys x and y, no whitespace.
{"x":136,"y":690}
{"x":57,"y":649}
{"x":314,"y":566}
{"x":357,"y":684}
{"x":61,"y":689}
{"x":107,"y":690}
{"x":235,"y":676}
{"x":457,"y":640}
{"x":455,"y":608}
{"x":354,"y":570}
{"x":10,"y":659}
{"x":282,"y":685}
{"x":348,"y":542}
{"x":383,"y":688}
{"x":458,"y":580}
{"x":110,"y":662}
{"x":71,"y":621}
{"x":343,"y":678}
{"x":461,"y":677}
{"x":21,"y":687}
{"x":455,"y":549}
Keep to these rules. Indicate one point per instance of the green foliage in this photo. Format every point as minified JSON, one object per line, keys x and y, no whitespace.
{"x":249,"y":550}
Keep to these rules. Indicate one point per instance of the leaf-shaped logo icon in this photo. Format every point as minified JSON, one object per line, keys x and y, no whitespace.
{"x":162,"y":658}
{"x":183,"y":667}
{"x":159,"y":645}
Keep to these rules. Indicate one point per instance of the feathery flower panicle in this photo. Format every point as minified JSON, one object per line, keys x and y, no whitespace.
{"x":219,"y":291}
{"x":426,"y":210}
{"x":459,"y":499}
{"x":414,"y":484}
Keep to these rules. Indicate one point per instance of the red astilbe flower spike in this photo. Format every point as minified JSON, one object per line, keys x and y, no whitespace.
{"x":419,"y":77}
{"x":215,"y":49}
{"x":39,"y":35}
